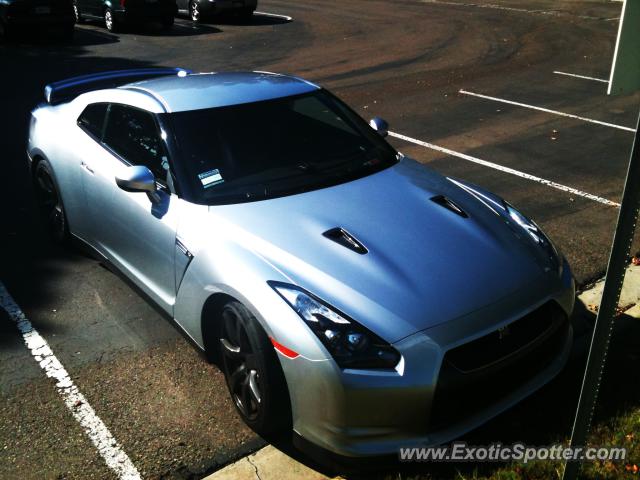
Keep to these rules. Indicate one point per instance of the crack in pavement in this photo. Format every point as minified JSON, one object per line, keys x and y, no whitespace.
{"x":255,"y":467}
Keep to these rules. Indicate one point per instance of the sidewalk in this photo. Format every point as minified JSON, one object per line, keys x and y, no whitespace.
{"x":268,"y":463}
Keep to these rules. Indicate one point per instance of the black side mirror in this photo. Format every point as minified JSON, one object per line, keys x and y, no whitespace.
{"x":380,"y":125}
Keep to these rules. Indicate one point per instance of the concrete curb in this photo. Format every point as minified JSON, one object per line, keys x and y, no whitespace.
{"x":268,"y":463}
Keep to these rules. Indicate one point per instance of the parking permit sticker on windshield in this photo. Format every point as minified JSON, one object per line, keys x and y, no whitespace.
{"x":210,"y":178}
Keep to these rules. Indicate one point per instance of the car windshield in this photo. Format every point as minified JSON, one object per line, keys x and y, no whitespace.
{"x":274,"y":148}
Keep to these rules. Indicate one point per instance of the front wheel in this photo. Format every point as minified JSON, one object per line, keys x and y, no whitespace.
{"x":50,"y":203}
{"x":77,"y":14}
{"x":194,"y":11}
{"x":110,"y":21}
{"x":253,"y":373}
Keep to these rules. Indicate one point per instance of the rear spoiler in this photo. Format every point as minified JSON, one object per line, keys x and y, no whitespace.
{"x":72,"y":87}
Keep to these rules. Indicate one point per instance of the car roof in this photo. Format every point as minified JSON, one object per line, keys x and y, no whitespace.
{"x":184,"y":92}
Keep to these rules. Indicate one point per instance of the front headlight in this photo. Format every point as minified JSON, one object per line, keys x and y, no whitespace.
{"x":350,"y":344}
{"x":535,"y":233}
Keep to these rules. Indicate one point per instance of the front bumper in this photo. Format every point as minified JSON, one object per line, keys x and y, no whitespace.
{"x":368,"y":413}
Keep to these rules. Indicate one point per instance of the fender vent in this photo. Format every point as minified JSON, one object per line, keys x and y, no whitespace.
{"x":345,"y":239}
{"x":449,"y":205}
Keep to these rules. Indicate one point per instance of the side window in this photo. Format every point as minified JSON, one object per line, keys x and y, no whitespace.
{"x":133,"y":134}
{"x":92,"y":119}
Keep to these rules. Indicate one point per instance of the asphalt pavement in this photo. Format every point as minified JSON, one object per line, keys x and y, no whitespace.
{"x":552,"y":144}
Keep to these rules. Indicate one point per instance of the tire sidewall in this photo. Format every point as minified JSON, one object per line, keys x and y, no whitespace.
{"x":275,"y":411}
{"x":57,"y":237}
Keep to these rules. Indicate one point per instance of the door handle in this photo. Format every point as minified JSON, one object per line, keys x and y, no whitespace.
{"x":86,"y":167}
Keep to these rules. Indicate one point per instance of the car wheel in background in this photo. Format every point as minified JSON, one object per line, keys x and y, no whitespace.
{"x":167,"y":22}
{"x":194,"y":11}
{"x":253,"y":373}
{"x":5,"y":31}
{"x":50,"y":203}
{"x":77,"y":13}
{"x":110,"y":21}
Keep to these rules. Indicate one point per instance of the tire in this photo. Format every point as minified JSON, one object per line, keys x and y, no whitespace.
{"x":252,"y":371}
{"x":50,"y":205}
{"x":77,"y":13}
{"x":167,"y":22}
{"x":194,"y":11}
{"x":6,"y":32}
{"x":110,"y":21}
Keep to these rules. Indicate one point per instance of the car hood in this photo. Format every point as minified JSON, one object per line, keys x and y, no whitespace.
{"x":425,"y":264}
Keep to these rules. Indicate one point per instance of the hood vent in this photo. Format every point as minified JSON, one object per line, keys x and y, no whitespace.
{"x":449,"y":205}
{"x":345,"y":239}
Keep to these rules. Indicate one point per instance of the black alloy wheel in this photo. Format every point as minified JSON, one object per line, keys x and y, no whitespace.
{"x":50,"y":203}
{"x":194,"y":11}
{"x":254,"y":377}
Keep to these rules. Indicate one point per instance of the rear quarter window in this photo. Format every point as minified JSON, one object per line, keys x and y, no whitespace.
{"x":92,"y":118}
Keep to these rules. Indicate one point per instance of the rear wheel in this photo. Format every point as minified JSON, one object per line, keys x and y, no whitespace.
{"x":50,"y":203}
{"x":252,"y":370}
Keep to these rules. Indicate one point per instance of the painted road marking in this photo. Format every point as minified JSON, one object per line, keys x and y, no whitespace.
{"x":514,"y":9}
{"x":275,"y":15}
{"x":113,"y":455}
{"x":512,"y":171}
{"x":582,"y":76}
{"x":546,"y":110}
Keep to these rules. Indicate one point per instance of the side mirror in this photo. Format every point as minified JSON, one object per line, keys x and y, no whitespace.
{"x":380,"y":125}
{"x":138,"y":178}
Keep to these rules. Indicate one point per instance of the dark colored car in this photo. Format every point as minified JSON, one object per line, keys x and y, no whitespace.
{"x":37,"y":14}
{"x":117,"y":14}
{"x":199,"y":9}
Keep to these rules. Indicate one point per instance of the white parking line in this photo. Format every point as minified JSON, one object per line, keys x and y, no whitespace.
{"x":581,"y":76}
{"x":501,"y":168}
{"x":275,"y":15}
{"x":77,"y":404}
{"x":546,"y":110}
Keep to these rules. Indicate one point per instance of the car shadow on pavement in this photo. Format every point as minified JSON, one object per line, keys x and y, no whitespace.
{"x":45,"y":39}
{"x":544,"y":418}
{"x":256,"y":20}
{"x":30,"y":265}
{"x":155,"y":29}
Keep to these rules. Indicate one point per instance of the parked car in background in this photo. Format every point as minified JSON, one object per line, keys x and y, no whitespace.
{"x":118,"y":14}
{"x":38,"y":15}
{"x":328,"y":275}
{"x":202,"y":9}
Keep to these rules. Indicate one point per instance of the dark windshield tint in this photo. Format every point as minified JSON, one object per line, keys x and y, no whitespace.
{"x":275,"y":148}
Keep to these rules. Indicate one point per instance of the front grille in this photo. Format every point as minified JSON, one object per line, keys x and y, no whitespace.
{"x":477,"y":374}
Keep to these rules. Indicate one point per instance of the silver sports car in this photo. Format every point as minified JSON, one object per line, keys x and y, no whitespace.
{"x":346,"y":291}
